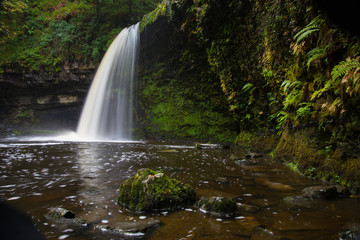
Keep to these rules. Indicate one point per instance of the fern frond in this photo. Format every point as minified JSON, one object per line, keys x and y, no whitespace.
{"x":344,"y":67}
{"x":317,"y":94}
{"x":285,"y":84}
{"x":315,"y":54}
{"x":313,"y":26}
{"x":249,"y":87}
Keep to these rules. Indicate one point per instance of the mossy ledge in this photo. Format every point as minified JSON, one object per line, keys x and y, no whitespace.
{"x":151,"y":190}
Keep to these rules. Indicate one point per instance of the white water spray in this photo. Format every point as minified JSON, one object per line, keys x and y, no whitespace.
{"x":108,"y":110}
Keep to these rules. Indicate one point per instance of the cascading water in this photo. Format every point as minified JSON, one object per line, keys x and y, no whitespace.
{"x":108,"y":110}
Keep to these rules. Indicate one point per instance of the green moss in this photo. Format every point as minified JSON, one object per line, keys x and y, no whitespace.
{"x":163,"y":9}
{"x":152,"y":190}
{"x":218,"y":206}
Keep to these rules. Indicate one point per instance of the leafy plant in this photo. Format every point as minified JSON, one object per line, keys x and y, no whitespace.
{"x":316,"y":54}
{"x":304,"y":111}
{"x":348,"y":72}
{"x":313,"y":26}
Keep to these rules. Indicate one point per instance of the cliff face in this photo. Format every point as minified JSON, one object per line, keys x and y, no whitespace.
{"x":43,"y":100}
{"x":223,"y":69}
{"x":178,"y":97}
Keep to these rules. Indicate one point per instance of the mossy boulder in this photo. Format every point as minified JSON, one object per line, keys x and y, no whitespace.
{"x":152,"y":190}
{"x":218,"y":206}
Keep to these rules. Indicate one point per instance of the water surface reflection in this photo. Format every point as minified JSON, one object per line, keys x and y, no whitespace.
{"x":85,"y":176}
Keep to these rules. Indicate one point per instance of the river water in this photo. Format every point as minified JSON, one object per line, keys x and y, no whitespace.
{"x":36,"y":174}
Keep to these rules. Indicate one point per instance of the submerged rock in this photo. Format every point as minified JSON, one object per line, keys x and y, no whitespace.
{"x":152,"y":190}
{"x":218,"y":206}
{"x":244,"y":209}
{"x":129,"y":228}
{"x":309,"y":194}
{"x":298,"y":201}
{"x":260,"y":233}
{"x":67,"y":218}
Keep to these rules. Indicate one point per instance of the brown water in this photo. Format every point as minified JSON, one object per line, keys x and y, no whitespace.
{"x":84,"y":177}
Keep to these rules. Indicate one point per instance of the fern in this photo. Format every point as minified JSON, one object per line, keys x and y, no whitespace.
{"x":249,"y":87}
{"x":287,"y":85}
{"x":303,"y":111}
{"x":348,"y":72}
{"x":313,"y":26}
{"x":344,"y":68}
{"x":292,"y":99}
{"x":315,"y":54}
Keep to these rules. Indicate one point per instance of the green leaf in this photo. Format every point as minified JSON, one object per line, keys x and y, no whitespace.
{"x":313,"y":26}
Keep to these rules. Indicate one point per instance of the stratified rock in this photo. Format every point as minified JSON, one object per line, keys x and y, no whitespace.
{"x":217,"y":206}
{"x":152,"y":190}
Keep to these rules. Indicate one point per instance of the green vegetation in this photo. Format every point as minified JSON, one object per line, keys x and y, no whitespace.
{"x":46,"y":35}
{"x":261,"y":73}
{"x":218,"y":206}
{"x":152,"y":190}
{"x":281,"y":73}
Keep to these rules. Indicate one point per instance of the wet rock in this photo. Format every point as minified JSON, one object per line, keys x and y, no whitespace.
{"x":59,"y":212}
{"x":129,"y":228}
{"x":309,"y":194}
{"x":343,"y":191}
{"x":260,"y":233}
{"x":324,"y":192}
{"x":350,"y":232}
{"x":65,"y":216}
{"x":298,"y":201}
{"x":222,"y":180}
{"x":217,"y":206}
{"x":152,"y":190}
{"x":278,"y":186}
{"x":207,"y":145}
{"x":245,"y":162}
{"x":253,"y":155}
{"x":244,"y":209}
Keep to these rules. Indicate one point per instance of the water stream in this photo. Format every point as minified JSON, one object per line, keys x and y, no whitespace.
{"x":84,"y":177}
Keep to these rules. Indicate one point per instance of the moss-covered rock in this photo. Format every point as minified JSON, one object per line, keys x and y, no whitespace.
{"x":152,"y":190}
{"x":218,"y":206}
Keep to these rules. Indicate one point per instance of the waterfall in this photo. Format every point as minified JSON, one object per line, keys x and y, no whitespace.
{"x":108,"y":109}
